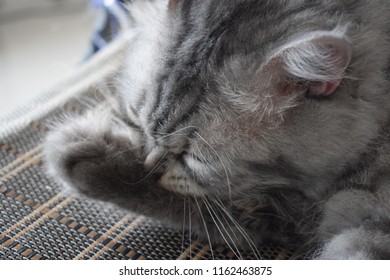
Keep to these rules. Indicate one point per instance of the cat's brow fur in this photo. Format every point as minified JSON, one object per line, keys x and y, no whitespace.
{"x":269,"y":118}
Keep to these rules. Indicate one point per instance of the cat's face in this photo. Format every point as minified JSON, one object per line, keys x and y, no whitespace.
{"x":229,"y":102}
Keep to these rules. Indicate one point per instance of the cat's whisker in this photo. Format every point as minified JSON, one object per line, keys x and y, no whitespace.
{"x":170,"y":203}
{"x":189,"y":226}
{"x":240,"y":229}
{"x":162,"y":135}
{"x":165,"y":135}
{"x":200,"y":153}
{"x":218,"y":228}
{"x":203,"y":159}
{"x":222,"y":163}
{"x":214,"y":214}
{"x":205,"y":227}
{"x":184,"y":223}
{"x":104,"y":88}
{"x":151,"y":172}
{"x":223,"y":216}
{"x":247,"y":238}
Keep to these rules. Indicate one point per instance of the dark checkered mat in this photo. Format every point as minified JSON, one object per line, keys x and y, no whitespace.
{"x":39,"y":221}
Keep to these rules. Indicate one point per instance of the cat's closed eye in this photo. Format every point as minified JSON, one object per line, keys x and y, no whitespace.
{"x":257,"y":121}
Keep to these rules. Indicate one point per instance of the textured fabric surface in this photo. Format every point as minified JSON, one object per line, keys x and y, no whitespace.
{"x":39,"y":221}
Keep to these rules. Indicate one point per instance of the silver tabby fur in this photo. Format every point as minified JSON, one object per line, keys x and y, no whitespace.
{"x":247,"y":121}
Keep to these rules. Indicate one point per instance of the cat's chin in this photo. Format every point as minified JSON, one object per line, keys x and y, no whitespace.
{"x":175,"y":180}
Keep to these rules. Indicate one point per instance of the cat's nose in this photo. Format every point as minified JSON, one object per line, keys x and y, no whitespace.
{"x":154,"y":157}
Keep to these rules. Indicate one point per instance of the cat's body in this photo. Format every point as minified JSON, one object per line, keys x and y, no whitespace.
{"x":255,"y":120}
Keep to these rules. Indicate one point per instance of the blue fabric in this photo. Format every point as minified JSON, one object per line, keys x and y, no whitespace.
{"x":107,"y":27}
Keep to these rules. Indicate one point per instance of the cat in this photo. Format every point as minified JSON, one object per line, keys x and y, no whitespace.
{"x":259,"y":121}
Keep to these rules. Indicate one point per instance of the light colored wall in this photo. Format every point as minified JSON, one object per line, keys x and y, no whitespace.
{"x":41,"y":41}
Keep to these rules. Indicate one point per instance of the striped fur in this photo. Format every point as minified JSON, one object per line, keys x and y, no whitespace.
{"x":250,"y":119}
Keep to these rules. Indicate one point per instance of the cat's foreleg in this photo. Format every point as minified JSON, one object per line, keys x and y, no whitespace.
{"x":93,"y":156}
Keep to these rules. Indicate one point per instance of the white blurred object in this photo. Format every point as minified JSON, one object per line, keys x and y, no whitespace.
{"x":37,"y":49}
{"x":17,"y":10}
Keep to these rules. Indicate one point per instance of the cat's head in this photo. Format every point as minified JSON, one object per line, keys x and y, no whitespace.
{"x":237,"y":97}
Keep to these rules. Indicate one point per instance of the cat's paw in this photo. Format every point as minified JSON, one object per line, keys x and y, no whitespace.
{"x":355,"y":225}
{"x":92,"y":157}
{"x":357,"y":244}
{"x":345,"y":247}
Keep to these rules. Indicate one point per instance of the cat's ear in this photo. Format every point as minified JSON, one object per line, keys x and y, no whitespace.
{"x":314,"y":65}
{"x":172,"y":4}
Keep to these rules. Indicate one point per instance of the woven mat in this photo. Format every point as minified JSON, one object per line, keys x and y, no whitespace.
{"x":39,"y":221}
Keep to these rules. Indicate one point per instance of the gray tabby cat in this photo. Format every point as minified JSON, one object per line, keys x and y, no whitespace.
{"x":256,"y":120}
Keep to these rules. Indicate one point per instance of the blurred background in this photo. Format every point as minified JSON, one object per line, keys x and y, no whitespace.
{"x":41,"y":41}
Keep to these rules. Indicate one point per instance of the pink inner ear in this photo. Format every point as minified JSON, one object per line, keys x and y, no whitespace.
{"x":172,"y":4}
{"x":324,"y":88}
{"x":331,"y":87}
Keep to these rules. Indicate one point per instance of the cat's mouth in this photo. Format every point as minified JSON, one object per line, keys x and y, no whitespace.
{"x":176,"y":180}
